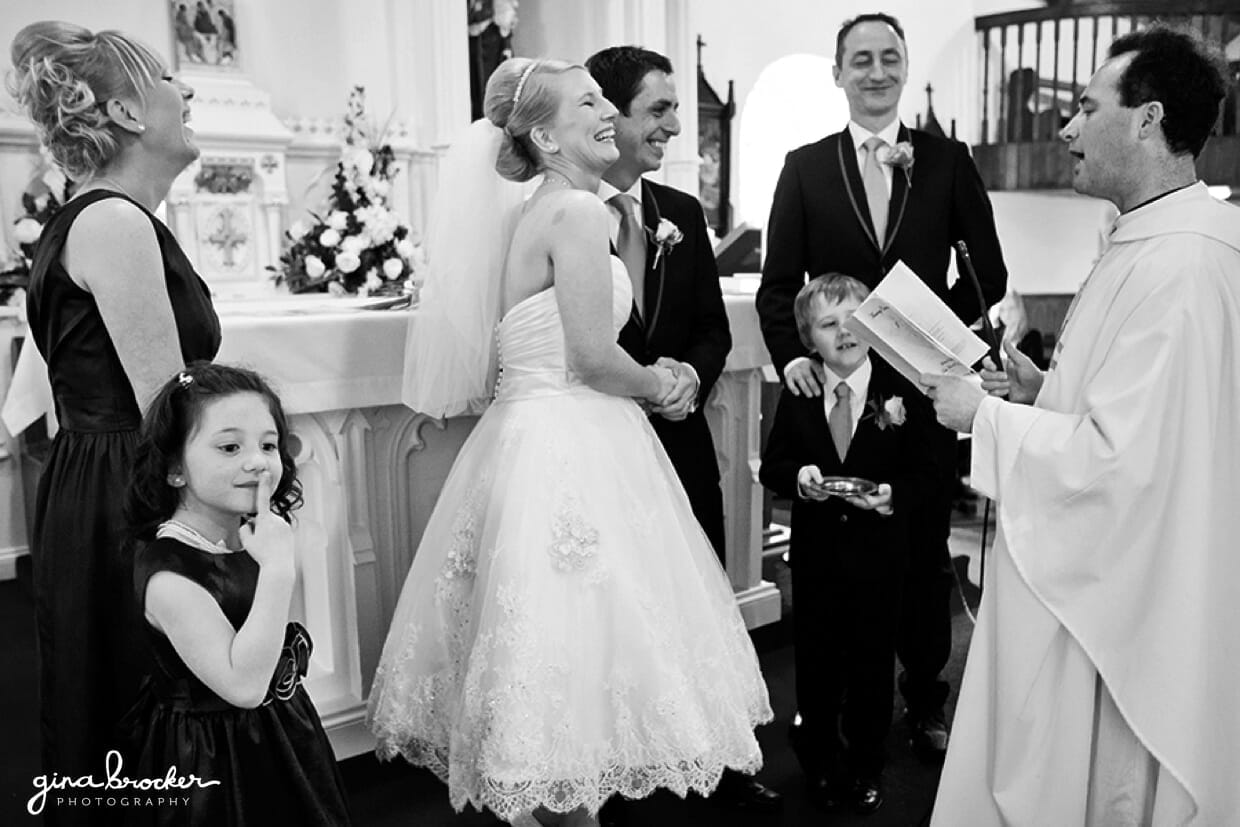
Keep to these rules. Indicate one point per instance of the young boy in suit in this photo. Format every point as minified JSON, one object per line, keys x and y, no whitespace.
{"x":848,"y":554}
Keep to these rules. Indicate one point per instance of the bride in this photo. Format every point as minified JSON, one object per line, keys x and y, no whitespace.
{"x":565,"y":632}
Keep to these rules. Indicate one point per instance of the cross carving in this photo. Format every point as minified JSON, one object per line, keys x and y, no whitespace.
{"x":227,"y":237}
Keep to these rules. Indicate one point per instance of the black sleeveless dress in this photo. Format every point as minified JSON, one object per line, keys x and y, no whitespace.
{"x":273,"y":763}
{"x":91,"y":651}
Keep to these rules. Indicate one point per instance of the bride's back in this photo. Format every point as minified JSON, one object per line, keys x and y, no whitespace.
{"x":528,"y":269}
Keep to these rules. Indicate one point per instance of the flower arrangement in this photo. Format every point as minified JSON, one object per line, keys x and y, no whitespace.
{"x":666,"y":236}
{"x":39,"y":203}
{"x":359,"y":245}
{"x":899,"y":156}
{"x":888,"y":412}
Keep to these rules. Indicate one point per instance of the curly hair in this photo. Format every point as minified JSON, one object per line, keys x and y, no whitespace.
{"x":172,"y":416}
{"x":620,"y":70}
{"x":63,"y":76}
{"x":1176,"y":68}
{"x":517,"y":115}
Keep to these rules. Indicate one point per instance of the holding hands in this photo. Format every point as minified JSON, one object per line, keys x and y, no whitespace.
{"x":682,"y":400}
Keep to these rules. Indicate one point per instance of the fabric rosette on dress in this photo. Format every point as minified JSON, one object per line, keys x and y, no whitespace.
{"x":565,"y":632}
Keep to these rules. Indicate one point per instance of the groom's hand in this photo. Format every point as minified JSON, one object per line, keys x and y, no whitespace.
{"x":683,"y":399}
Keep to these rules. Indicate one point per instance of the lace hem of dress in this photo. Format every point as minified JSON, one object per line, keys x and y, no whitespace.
{"x":509,"y":798}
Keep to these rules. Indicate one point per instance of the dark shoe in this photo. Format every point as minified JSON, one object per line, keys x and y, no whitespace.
{"x":825,"y":793}
{"x":867,"y":795}
{"x":740,"y":792}
{"x":928,"y":736}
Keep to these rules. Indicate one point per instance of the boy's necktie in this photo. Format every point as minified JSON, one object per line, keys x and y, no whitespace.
{"x":840,"y":419}
{"x":631,"y":244}
{"x":876,"y":187}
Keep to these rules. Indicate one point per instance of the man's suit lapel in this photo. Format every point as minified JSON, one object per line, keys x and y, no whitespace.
{"x":855,"y":187}
{"x":655,"y":274}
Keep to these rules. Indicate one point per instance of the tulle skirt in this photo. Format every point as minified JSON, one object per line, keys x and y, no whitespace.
{"x":565,"y":632}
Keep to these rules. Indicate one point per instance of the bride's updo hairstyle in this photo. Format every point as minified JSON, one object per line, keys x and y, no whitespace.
{"x":520,"y":97}
{"x":63,"y":75}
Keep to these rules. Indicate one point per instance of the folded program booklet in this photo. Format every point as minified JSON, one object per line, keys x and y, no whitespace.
{"x":909,"y":326}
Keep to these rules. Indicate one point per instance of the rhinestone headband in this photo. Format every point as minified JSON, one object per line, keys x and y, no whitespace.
{"x":529,"y":70}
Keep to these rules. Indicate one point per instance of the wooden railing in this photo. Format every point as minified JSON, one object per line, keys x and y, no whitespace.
{"x":1036,"y":64}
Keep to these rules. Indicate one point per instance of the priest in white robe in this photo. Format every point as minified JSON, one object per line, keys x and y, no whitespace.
{"x":1103,"y":680}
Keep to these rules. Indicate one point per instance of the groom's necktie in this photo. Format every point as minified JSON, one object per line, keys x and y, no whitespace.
{"x":876,"y":187}
{"x":839,"y":421}
{"x":631,"y":244}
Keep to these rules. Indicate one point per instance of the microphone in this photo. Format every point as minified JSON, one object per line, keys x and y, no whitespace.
{"x":992,"y":339}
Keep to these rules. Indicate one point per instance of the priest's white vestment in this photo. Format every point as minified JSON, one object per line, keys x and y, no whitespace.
{"x":1103,"y":679}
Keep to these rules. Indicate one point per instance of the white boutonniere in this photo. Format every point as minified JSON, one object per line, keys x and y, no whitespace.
{"x":666,"y":236}
{"x":899,"y":156}
{"x":889,"y":412}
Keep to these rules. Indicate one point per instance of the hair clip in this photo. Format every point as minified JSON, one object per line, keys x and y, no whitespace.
{"x":529,"y":70}
{"x":184,"y":379}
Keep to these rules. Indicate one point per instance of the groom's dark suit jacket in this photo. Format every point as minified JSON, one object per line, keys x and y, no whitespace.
{"x":684,"y":318}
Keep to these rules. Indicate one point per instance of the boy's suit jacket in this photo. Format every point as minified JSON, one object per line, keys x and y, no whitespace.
{"x":684,"y":318}
{"x":857,"y":543}
{"x":820,"y":223}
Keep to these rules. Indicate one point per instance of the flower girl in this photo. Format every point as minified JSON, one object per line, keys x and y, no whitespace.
{"x":212,"y":487}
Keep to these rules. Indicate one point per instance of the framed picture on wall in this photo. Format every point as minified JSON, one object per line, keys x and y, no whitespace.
{"x":204,"y":34}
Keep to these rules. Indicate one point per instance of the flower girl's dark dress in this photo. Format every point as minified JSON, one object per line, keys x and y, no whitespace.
{"x":273,"y":763}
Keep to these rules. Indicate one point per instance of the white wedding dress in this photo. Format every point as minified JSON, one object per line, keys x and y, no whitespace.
{"x":565,"y":631}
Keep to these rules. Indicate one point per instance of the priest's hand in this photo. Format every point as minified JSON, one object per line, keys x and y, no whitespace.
{"x":1024,"y":377}
{"x":804,"y":376}
{"x":956,"y":399}
{"x":683,"y":399}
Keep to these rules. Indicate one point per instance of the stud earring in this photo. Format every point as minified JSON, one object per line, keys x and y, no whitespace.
{"x":141,"y":128}
{"x":176,"y":480}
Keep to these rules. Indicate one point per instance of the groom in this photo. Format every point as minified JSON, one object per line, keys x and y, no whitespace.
{"x":678,"y":317}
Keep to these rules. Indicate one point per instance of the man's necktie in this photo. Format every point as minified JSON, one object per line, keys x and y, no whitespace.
{"x":631,"y":244}
{"x":840,"y":419}
{"x":876,"y":187}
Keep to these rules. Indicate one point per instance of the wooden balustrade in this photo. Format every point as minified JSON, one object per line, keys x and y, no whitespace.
{"x":1036,"y":63}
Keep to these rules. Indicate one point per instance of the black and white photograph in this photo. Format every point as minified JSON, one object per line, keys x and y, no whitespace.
{"x":544,"y":413}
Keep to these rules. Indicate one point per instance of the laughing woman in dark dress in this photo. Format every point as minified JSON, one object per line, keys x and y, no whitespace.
{"x":115,"y":308}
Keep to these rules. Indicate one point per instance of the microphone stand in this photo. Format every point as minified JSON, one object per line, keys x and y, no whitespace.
{"x":992,"y":339}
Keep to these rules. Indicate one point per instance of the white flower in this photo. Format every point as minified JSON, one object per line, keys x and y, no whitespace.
{"x":373,"y":282}
{"x":55,"y":180}
{"x":405,"y":248}
{"x":347,"y":262}
{"x":392,"y":268}
{"x":336,"y":289}
{"x":380,"y":187}
{"x":329,"y":238}
{"x":352,"y":244}
{"x":894,"y":409}
{"x":315,"y":267}
{"x":338,"y":219}
{"x":27,"y":230}
{"x":297,"y":230}
{"x":666,"y":236}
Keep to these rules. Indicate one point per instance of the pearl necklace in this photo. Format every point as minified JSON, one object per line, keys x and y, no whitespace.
{"x":191,"y":536}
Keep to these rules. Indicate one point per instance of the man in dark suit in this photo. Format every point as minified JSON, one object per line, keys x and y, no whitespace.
{"x":857,"y":202}
{"x":678,"y":319}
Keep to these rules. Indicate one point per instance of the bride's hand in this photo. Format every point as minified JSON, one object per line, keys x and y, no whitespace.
{"x":666,"y":380}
